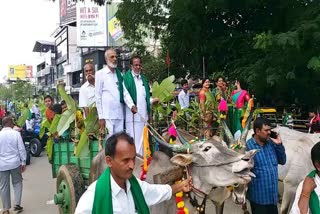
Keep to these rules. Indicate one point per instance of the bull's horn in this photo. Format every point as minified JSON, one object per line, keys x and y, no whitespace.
{"x":227,"y":132}
{"x":245,"y":130}
{"x":172,"y":147}
{"x":182,"y":139}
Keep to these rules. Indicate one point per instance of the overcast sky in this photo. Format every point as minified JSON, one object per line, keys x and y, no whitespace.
{"x":22,"y":23}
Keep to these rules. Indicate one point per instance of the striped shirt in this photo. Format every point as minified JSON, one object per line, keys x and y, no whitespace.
{"x":263,"y":189}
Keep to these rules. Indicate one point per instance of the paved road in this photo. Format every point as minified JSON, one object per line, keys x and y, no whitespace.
{"x":38,"y":187}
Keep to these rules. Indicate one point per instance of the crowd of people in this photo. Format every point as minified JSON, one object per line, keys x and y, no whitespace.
{"x":123,"y":102}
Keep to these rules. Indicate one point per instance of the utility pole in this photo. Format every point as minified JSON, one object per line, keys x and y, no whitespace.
{"x":203,"y":68}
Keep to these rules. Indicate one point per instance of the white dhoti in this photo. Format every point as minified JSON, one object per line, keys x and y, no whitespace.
{"x":114,"y":126}
{"x":135,"y":130}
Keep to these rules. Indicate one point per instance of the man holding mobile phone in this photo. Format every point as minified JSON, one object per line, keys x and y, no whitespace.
{"x":263,"y":189}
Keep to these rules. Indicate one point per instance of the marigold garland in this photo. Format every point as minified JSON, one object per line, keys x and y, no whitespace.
{"x":146,"y":154}
{"x":237,"y":146}
{"x":181,"y":209}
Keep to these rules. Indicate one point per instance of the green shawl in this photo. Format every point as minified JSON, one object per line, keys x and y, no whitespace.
{"x":314,"y":203}
{"x":103,"y":197}
{"x":120,"y":86}
{"x":131,"y":87}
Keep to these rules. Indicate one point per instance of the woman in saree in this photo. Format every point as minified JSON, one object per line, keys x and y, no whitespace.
{"x":218,"y":92}
{"x":240,"y":98}
{"x":202,"y":93}
{"x":207,"y":114}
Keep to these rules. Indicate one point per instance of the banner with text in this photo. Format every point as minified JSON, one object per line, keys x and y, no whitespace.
{"x":67,"y":11}
{"x":91,"y":25}
{"x":21,"y":72}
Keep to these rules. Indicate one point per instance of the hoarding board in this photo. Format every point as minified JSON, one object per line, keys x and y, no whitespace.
{"x":91,"y":25}
{"x":68,"y":9}
{"x":115,"y":32}
{"x":22,"y":72}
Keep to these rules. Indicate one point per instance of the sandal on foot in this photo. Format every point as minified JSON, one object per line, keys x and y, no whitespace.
{"x":18,"y":208}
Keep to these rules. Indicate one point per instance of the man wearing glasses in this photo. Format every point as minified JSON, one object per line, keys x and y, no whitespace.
{"x":110,"y":96}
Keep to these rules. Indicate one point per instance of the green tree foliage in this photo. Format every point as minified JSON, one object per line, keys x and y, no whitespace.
{"x":143,"y":19}
{"x":154,"y":68}
{"x":19,"y":91}
{"x":274,"y":45}
{"x":5,"y":92}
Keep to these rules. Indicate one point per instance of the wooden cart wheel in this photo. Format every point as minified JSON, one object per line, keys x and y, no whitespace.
{"x":70,"y":187}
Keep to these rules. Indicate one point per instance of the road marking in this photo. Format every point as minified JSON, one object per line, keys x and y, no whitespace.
{"x":50,"y":202}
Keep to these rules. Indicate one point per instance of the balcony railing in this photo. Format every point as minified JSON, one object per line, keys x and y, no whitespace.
{"x":45,"y":71}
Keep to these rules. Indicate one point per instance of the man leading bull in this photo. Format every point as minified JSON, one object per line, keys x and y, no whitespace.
{"x":117,"y":190}
{"x":263,"y":189}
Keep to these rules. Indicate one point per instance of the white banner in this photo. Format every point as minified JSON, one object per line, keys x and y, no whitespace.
{"x":91,"y":25}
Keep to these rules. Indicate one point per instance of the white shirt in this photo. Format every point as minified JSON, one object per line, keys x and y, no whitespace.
{"x":123,"y":202}
{"x":141,"y":101}
{"x":108,"y":96}
{"x":295,"y":209}
{"x":35,"y":109}
{"x":86,"y":95}
{"x":12,"y":150}
{"x":184,"y":99}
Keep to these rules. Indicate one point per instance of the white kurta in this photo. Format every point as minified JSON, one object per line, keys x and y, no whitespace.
{"x":108,"y":100}
{"x":122,"y":201}
{"x":184,"y":99}
{"x":134,"y":123}
{"x":295,"y":209}
{"x":12,"y":150}
{"x":86,"y":95}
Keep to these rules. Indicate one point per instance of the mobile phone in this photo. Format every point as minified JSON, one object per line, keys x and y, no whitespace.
{"x":274,"y":134}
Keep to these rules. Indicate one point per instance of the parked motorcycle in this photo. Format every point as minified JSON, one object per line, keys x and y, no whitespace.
{"x":31,"y":131}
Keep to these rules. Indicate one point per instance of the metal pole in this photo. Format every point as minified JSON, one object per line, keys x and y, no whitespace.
{"x":203,"y":68}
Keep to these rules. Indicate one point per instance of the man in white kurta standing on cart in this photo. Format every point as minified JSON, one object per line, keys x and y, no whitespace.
{"x":110,"y":96}
{"x":138,"y":87}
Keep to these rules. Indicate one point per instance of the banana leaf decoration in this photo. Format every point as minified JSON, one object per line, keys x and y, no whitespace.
{"x":54,"y":124}
{"x":24,"y":116}
{"x":49,"y":148}
{"x":164,"y":91}
{"x":52,"y":133}
{"x":45,"y":124}
{"x":42,"y":108}
{"x":60,"y":123}
{"x":82,"y":144}
{"x":69,"y":115}
{"x":92,"y":122}
{"x":91,"y":127}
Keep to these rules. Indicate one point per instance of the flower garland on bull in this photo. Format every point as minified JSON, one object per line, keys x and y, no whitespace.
{"x":163,"y":92}
{"x":181,"y":209}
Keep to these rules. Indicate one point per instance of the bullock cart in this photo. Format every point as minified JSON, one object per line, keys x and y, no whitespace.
{"x":72,"y":173}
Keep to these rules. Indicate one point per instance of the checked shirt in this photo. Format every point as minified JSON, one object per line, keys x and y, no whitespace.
{"x":263,"y":189}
